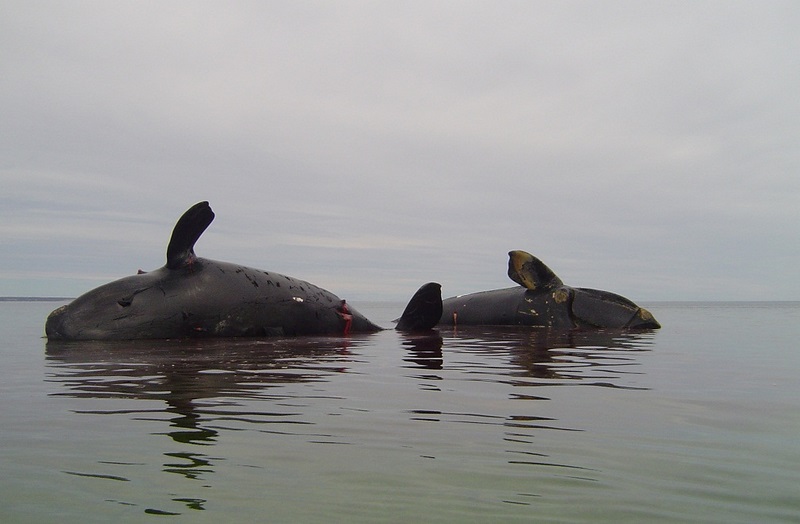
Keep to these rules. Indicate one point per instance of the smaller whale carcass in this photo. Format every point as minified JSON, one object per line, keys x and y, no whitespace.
{"x":198,"y":297}
{"x":542,"y":300}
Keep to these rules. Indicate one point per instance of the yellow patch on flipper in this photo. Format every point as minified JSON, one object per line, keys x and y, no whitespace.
{"x":517,"y":270}
{"x":560,"y":296}
{"x":645,"y":315}
{"x":530,"y":272}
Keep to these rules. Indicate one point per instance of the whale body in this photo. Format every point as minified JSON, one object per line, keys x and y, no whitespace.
{"x":198,"y":297}
{"x":542,"y":300}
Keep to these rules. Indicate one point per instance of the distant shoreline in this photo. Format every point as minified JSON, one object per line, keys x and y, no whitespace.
{"x":34,"y":299}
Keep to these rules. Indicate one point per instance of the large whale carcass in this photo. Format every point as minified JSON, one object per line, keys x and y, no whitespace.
{"x":541,"y":299}
{"x":198,"y":297}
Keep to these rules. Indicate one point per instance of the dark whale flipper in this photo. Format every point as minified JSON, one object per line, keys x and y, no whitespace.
{"x":190,"y":226}
{"x":423,"y":310}
{"x":602,"y":308}
{"x":530,"y":272}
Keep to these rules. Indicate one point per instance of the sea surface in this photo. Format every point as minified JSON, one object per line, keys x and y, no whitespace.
{"x":696,"y":422}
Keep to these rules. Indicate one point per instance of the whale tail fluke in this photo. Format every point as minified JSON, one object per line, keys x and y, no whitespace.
{"x":423,"y":310}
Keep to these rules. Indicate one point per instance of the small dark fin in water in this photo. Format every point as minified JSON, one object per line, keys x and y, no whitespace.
{"x":423,"y":310}
{"x":530,"y":272}
{"x":190,"y":226}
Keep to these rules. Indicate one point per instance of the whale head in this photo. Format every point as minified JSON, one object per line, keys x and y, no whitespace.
{"x":130,"y":307}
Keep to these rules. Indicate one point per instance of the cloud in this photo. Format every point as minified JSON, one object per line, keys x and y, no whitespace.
{"x":635,"y":146}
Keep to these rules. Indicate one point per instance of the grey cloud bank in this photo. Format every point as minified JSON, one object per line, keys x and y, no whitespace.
{"x":647,"y":148}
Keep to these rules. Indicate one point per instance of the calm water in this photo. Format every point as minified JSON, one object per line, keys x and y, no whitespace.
{"x":698,"y":422}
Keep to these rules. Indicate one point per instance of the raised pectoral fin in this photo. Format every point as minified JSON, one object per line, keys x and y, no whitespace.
{"x":190,"y":226}
{"x":530,"y":272}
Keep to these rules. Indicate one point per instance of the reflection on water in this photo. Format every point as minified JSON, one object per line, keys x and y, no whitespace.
{"x":527,"y":362}
{"x":183,"y":374}
{"x":208,"y":390}
{"x":423,"y":350}
{"x":596,"y":358}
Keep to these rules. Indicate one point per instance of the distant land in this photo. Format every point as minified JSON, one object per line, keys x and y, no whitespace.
{"x":34,"y":299}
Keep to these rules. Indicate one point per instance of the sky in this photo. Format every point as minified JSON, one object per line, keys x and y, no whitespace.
{"x":648,"y":148}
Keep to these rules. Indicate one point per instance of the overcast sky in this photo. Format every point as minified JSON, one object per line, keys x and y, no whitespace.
{"x":650,"y":148}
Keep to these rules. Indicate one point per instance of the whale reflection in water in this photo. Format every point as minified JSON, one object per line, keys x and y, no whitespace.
{"x":273,"y":408}
{"x":569,"y":356}
{"x":190,"y":375}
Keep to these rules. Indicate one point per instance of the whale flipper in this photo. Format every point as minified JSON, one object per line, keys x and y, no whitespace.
{"x":423,"y":310}
{"x":530,"y":272}
{"x":602,"y":308}
{"x":188,"y":229}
